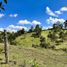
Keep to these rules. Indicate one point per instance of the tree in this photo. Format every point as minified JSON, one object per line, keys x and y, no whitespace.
{"x":20,"y":32}
{"x":31,"y":29}
{"x":37,"y":30}
{"x":11,"y":38}
{"x":65,"y":24}
{"x":58,"y":25}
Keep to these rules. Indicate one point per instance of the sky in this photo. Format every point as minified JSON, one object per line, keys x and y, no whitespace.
{"x":20,"y":14}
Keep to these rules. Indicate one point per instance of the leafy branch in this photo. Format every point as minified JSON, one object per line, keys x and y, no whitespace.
{"x":1,"y":4}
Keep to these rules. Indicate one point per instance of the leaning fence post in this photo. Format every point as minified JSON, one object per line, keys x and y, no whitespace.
{"x":6,"y":47}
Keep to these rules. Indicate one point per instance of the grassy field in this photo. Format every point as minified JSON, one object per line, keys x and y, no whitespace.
{"x":27,"y":40}
{"x":24,"y":54}
{"x":44,"y":57}
{"x":18,"y":56}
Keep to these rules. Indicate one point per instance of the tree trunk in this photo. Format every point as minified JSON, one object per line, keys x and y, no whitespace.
{"x":6,"y":47}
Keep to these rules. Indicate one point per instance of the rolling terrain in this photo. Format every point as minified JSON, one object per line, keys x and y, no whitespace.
{"x":23,"y":54}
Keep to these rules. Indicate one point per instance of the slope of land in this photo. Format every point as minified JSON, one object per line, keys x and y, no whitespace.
{"x":19,"y":56}
{"x":23,"y":54}
{"x":27,"y":40}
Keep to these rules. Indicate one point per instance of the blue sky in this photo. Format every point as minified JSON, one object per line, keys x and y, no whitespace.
{"x":20,"y":14}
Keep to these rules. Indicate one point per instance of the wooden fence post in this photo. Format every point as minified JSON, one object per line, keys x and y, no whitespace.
{"x":6,"y":47}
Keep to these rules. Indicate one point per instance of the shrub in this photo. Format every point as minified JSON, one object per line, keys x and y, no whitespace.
{"x":35,"y":64}
{"x":35,"y":46}
{"x":52,"y":46}
{"x":61,"y":35}
{"x":64,"y":49}
{"x":53,"y":36}
{"x":43,"y":42}
{"x":1,"y":50}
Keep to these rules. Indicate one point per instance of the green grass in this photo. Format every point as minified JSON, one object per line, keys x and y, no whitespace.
{"x":44,"y":57}
{"x":27,"y":40}
{"x":24,"y":53}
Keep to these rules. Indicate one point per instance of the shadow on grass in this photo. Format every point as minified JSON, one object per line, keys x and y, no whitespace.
{"x":3,"y":62}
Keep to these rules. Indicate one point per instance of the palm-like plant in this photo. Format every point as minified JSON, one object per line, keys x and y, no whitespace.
{"x":1,"y":4}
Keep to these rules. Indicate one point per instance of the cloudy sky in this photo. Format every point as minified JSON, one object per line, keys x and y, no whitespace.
{"x":20,"y":14}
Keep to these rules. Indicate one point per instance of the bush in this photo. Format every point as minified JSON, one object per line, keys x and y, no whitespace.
{"x":52,"y":46}
{"x":64,"y":49}
{"x":35,"y":64}
{"x":43,"y":43}
{"x":35,"y":46}
{"x":53,"y":36}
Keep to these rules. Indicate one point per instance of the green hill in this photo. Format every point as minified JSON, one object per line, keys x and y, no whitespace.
{"x":27,"y":40}
{"x":23,"y":54}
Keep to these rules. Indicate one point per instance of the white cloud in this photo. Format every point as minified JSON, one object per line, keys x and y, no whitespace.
{"x":1,"y":29}
{"x":13,"y":15}
{"x":8,"y":29}
{"x":24,"y":22}
{"x":36,"y":22}
{"x":63,"y":9}
{"x":1,"y":15}
{"x":51,"y":13}
{"x":55,"y":13}
{"x":58,"y":12}
{"x":17,"y":27}
{"x":54,"y":20}
{"x":13,"y":28}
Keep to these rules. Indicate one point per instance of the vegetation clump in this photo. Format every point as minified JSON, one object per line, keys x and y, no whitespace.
{"x":43,"y":42}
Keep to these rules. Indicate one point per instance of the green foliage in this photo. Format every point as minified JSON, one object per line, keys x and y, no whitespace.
{"x":37,"y":31}
{"x":57,"y":36}
{"x":1,"y":49}
{"x":43,"y":42}
{"x":57,"y":25}
{"x":53,"y":36}
{"x":1,"y":37}
{"x":19,"y":33}
{"x":1,"y":4}
{"x":65,"y":36}
{"x":61,"y":35}
{"x":31,"y":29}
{"x":11,"y":38}
{"x":65,"y":24}
{"x":35,"y":64}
